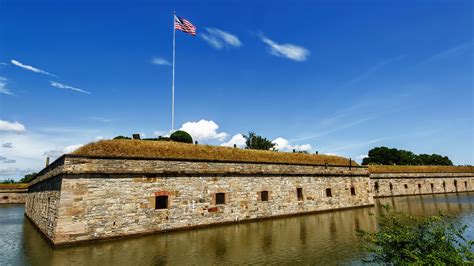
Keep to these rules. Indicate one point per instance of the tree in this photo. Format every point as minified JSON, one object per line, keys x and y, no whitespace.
{"x":403,"y":239}
{"x":27,"y":178}
{"x":181,"y":136}
{"x":392,"y":156}
{"x":256,"y":142}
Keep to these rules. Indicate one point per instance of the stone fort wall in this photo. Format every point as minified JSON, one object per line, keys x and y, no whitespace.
{"x":13,"y":194}
{"x":403,"y":184}
{"x":109,"y":198}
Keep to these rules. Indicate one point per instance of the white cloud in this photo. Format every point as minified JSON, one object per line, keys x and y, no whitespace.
{"x":3,"y":64}
{"x":362,"y":156}
{"x":284,"y":145}
{"x":160,"y":61}
{"x":66,"y":87}
{"x":288,"y":50}
{"x":237,"y":139}
{"x":3,"y":86}
{"x":57,"y":153}
{"x":7,"y":145}
{"x":11,"y":126}
{"x":30,"y":68}
{"x":219,"y":39}
{"x":204,"y":130}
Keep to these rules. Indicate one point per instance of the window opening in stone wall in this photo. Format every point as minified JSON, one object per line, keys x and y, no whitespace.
{"x":432,"y":187}
{"x":406,"y":186}
{"x":456,"y":184}
{"x":419,"y":186}
{"x":328,"y":192}
{"x":299,"y":193}
{"x":376,"y":186}
{"x":353,"y":191}
{"x":220,"y":198}
{"x":444,"y":186}
{"x":391,"y":187}
{"x":465,"y":184}
{"x":264,"y":195}
{"x":5,"y":197}
{"x":161,"y":202}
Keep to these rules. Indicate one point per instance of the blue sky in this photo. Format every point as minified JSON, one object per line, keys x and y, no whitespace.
{"x":337,"y":77}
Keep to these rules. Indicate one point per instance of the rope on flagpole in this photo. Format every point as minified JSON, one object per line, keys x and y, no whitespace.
{"x":172,"y":82}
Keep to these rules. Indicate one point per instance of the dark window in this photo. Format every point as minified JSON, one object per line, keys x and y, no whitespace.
{"x":220,"y":198}
{"x":353,"y":191}
{"x":328,"y":192}
{"x":264,"y":196}
{"x":465,"y":184}
{"x":455,"y":183}
{"x":444,"y":184}
{"x":376,"y":186}
{"x":5,"y":197}
{"x":406,"y":186}
{"x":432,"y":186}
{"x":299,"y":193}
{"x":419,"y":186}
{"x":391,"y":187}
{"x":161,"y":202}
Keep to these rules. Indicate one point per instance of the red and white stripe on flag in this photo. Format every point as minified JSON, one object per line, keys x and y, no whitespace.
{"x":184,"y":25}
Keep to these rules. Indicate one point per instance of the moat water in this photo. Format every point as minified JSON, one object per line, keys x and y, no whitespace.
{"x":325,"y":238}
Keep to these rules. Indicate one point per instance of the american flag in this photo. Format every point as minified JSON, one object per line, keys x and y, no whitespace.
{"x":184,"y":25}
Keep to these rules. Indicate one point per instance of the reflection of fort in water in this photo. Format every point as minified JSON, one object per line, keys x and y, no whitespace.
{"x":317,"y":238}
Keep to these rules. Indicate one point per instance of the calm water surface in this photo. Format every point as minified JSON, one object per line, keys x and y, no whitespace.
{"x":326,"y":238}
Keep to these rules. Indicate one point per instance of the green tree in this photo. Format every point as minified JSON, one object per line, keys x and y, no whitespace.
{"x":403,"y":239}
{"x":181,"y":136}
{"x":392,"y":156}
{"x":27,"y":178}
{"x":256,"y":142}
{"x":7,"y":181}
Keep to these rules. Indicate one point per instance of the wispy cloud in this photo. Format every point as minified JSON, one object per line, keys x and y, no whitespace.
{"x":3,"y":86}
{"x":356,"y":145}
{"x":372,"y":70}
{"x":453,"y":51}
{"x":6,"y":160}
{"x":12,"y":126}
{"x":7,"y":145}
{"x":219,"y":39}
{"x":335,"y":129}
{"x":100,"y":119}
{"x":160,"y":61}
{"x":30,"y":68}
{"x":288,"y":50}
{"x":3,"y":64}
{"x":67,"y":87}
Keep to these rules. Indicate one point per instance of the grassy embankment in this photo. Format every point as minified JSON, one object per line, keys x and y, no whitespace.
{"x":176,"y":150}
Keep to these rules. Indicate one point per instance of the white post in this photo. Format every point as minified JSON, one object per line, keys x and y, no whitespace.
{"x":172,"y":83}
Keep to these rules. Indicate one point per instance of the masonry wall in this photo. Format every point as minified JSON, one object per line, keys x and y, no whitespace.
{"x":13,"y":196}
{"x":400,"y":184}
{"x":42,"y":205}
{"x":94,"y":207}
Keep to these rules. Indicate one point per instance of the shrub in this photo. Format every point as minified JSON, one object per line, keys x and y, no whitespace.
{"x":181,"y":136}
{"x":406,"y":240}
{"x":121,"y":137}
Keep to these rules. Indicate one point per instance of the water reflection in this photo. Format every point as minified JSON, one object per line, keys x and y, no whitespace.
{"x":325,"y":238}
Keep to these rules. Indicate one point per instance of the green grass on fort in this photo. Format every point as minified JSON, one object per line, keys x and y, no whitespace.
{"x":176,"y":150}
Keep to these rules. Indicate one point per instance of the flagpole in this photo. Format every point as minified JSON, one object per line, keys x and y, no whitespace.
{"x":172,"y":82}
